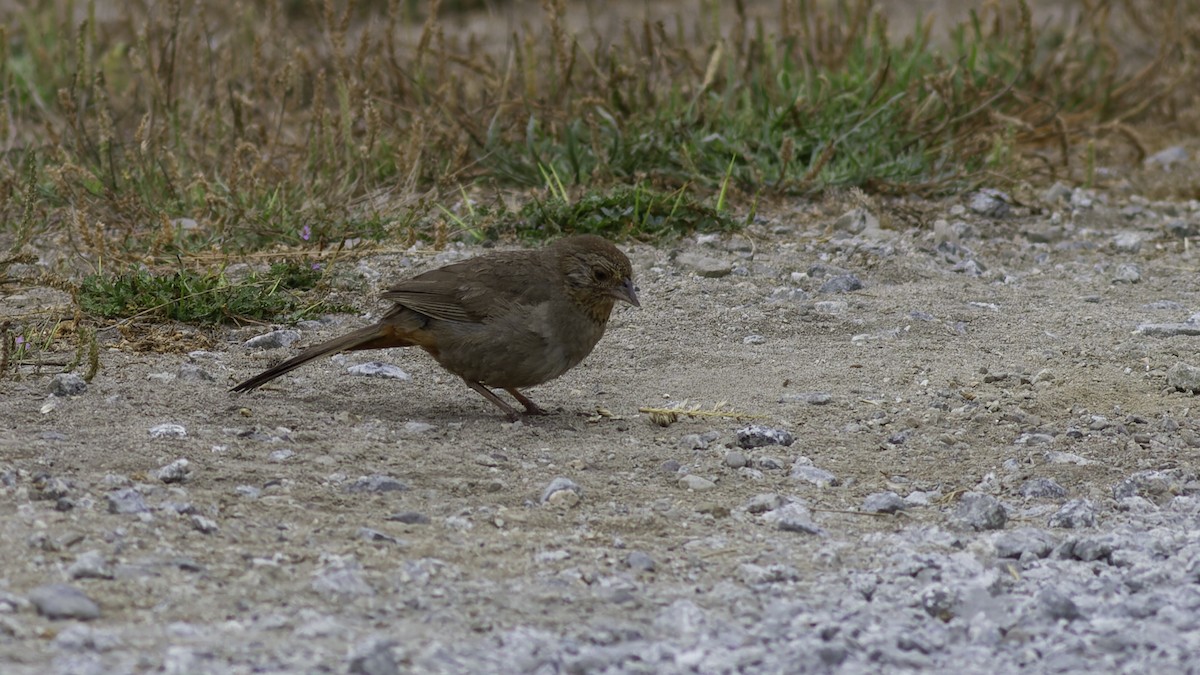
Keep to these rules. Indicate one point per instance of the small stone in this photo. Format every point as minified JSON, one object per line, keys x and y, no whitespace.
{"x":804,"y":471}
{"x":564,"y":485}
{"x":793,"y":517}
{"x":1057,"y":605}
{"x":371,"y":534}
{"x":757,"y":436}
{"x":1042,"y":488}
{"x":761,"y":503}
{"x":757,"y":575}
{"x":377,"y":483}
{"x":1023,"y":542}
{"x":696,"y":483}
{"x":204,"y":525}
{"x":1056,"y":193}
{"x":414,"y":428}
{"x":90,"y":565}
{"x":1168,"y":329}
{"x":1074,"y":514}
{"x":60,"y":601}
{"x":991,"y":203}
{"x":190,"y":372}
{"x":842,"y":283}
{"x":375,"y":658}
{"x":735,"y":459}
{"x":1058,"y":457}
{"x":640,"y":561}
{"x":698,"y":441}
{"x":1127,"y":242}
{"x":67,"y":384}
{"x":1184,"y":377}
{"x":168,"y":431}
{"x":281,"y":455}
{"x":175,"y":472}
{"x":670,"y":466}
{"x":340,"y":578}
{"x":247,"y":491}
{"x":1127,"y":273}
{"x":703,"y":265}
{"x":979,"y":511}
{"x":831,"y":307}
{"x":857,"y":221}
{"x":769,"y":463}
{"x":1166,"y":157}
{"x":884,"y":502}
{"x":126,"y":501}
{"x":754,"y":340}
{"x":379,"y":369}
{"x":410,"y":518}
{"x":1183,"y":229}
{"x":273,"y":340}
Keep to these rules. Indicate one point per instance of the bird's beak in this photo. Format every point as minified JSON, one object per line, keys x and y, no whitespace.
{"x":627,"y":292}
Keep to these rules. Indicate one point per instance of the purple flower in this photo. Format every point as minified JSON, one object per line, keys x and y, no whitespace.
{"x":305,"y":232}
{"x":316,"y":266}
{"x":19,"y":341}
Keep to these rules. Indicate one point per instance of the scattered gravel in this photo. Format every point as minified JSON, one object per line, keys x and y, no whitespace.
{"x":67,"y":384}
{"x":276,"y":339}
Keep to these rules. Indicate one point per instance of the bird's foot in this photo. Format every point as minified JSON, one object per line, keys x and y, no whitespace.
{"x":531,"y":408}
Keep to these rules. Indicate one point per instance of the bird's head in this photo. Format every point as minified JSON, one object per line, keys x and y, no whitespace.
{"x":597,"y":274}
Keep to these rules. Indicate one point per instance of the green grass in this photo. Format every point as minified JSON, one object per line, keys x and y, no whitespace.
{"x":206,"y":298}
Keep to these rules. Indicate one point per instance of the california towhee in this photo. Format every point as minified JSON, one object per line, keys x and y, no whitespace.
{"x":508,"y":319}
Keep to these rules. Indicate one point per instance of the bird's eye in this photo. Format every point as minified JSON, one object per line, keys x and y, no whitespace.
{"x":600,"y":275}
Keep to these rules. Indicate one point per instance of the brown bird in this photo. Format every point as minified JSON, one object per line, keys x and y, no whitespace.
{"x":508,"y":319}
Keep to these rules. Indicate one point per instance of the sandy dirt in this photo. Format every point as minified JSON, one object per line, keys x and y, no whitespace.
{"x":267,"y":556}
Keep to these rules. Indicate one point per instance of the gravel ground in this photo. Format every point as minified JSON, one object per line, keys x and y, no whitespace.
{"x":973,"y":452}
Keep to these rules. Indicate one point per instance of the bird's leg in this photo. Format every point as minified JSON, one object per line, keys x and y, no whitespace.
{"x":487,"y":393}
{"x":530,"y":407}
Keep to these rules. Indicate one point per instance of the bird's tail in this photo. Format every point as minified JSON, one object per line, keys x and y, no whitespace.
{"x":377,"y":336}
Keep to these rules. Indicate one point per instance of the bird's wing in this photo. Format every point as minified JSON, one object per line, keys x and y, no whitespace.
{"x":475,"y":290}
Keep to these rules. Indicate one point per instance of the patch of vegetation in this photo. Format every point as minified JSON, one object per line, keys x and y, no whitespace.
{"x":205,"y":298}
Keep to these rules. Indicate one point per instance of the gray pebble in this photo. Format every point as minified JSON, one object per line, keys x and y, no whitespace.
{"x":281,"y":455}
{"x":1168,"y":329}
{"x":979,"y":511}
{"x":1184,"y":377}
{"x":1024,"y":542}
{"x":788,"y":295}
{"x":1183,"y":229}
{"x":126,"y":501}
{"x":410,"y":518}
{"x":560,"y":484}
{"x":175,"y":472}
{"x":640,"y":561}
{"x":754,"y":340}
{"x":670,"y":466}
{"x":842,"y":283}
{"x":1164,"y":158}
{"x":1074,"y":514}
{"x":203,"y":525}
{"x":371,"y":534}
{"x":168,"y":431}
{"x":696,"y":483}
{"x":341,"y":578}
{"x":735,"y":459}
{"x":703,"y":265}
{"x":377,"y":483}
{"x":1091,"y":549}
{"x":793,"y":517}
{"x":1127,"y":242}
{"x":757,"y":436}
{"x":757,"y":575}
{"x":1127,"y":273}
{"x":190,"y":372}
{"x":67,"y":384}
{"x":1147,"y":484}
{"x":90,"y":565}
{"x":60,"y":601}
{"x":804,"y":471}
{"x":883,"y":502}
{"x":1042,"y":488}
{"x":377,"y":657}
{"x":379,"y":369}
{"x":991,"y":203}
{"x":1057,"y":605}
{"x":769,"y":463}
{"x":415,"y":428}
{"x":761,"y":503}
{"x":809,"y":397}
{"x":273,"y":340}
{"x":856,"y":221}
{"x":832,"y":307}
{"x":698,"y":441}
{"x":247,"y":491}
{"x":1055,"y":193}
